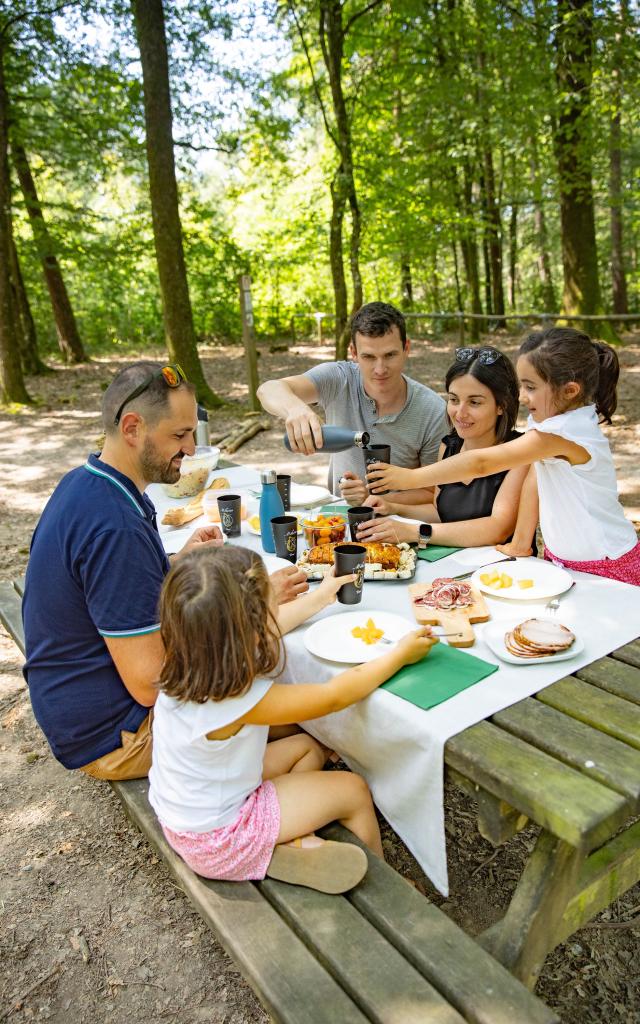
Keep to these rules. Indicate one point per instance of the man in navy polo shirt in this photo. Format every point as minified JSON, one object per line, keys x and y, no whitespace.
{"x":94,"y":576}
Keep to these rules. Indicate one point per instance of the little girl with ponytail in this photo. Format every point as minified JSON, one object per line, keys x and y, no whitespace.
{"x":568,"y":384}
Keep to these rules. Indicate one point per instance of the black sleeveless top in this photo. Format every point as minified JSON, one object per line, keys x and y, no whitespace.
{"x":456,"y":502}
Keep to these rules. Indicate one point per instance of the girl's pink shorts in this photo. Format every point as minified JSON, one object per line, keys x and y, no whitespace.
{"x":238,"y":852}
{"x":625,"y":569}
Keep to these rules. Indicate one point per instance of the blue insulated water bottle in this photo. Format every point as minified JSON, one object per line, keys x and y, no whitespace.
{"x":270,"y":507}
{"x":338,"y":439}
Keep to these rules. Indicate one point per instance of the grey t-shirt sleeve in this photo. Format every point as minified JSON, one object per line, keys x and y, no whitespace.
{"x":330,"y":380}
{"x":435,"y":429}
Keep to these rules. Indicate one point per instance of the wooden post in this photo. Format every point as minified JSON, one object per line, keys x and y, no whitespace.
{"x":319,"y":317}
{"x":461,"y":328}
{"x":249,"y":340}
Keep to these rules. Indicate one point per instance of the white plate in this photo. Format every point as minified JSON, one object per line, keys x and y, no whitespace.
{"x":331,"y":638}
{"x":548,"y":580}
{"x":493,"y":636}
{"x":306,"y":495}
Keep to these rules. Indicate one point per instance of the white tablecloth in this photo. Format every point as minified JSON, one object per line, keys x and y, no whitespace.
{"x":398,"y":747}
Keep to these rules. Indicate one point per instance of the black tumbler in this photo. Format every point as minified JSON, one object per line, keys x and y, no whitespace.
{"x":283,"y":483}
{"x":230,"y":506}
{"x":376,"y":453}
{"x":349,"y":558}
{"x":285,"y":537}
{"x":357,"y":515}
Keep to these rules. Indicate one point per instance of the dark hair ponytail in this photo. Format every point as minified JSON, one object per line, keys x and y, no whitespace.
{"x":562,"y":354}
{"x":606,"y":396}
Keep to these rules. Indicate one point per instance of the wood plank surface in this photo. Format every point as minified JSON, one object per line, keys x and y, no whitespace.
{"x":630,"y":653}
{"x":607,"y":873}
{"x":529,"y":929}
{"x":471,"y":980}
{"x":613,"y":676}
{"x":593,"y":753}
{"x":285,"y":976}
{"x":573,"y":807}
{"x":10,"y":613}
{"x":375,"y":975}
{"x":613,"y":715}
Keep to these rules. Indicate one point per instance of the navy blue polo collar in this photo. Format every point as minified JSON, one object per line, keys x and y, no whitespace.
{"x":143,"y":505}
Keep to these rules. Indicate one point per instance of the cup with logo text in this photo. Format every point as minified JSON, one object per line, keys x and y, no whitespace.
{"x":350,"y":558}
{"x":376,"y":453}
{"x":230,"y":509}
{"x":285,"y":537}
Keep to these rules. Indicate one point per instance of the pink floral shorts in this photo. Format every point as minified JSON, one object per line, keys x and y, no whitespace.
{"x":625,"y":569}
{"x":238,"y":852}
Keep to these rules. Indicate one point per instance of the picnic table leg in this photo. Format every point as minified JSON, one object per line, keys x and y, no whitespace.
{"x":527,"y":932}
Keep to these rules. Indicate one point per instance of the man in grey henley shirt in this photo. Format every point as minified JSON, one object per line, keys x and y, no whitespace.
{"x":369,"y":392}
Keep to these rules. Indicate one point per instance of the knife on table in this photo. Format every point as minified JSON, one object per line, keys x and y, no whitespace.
{"x":498,"y":561}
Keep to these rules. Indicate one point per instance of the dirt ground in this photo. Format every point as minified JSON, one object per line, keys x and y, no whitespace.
{"x":92,"y":927}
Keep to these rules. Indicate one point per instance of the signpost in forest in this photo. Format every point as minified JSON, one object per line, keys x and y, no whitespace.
{"x":249,"y":340}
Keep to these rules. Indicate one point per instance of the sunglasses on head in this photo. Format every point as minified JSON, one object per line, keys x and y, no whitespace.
{"x":486,"y":356}
{"x":173,"y":376}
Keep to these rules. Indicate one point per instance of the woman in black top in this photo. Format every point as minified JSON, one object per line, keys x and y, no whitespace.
{"x":482,"y":403}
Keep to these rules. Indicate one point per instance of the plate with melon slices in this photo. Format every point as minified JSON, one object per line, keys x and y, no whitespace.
{"x":526,"y":579}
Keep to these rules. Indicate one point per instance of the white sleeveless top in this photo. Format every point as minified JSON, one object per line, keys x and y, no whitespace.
{"x":581,"y":518}
{"x":198,"y":784}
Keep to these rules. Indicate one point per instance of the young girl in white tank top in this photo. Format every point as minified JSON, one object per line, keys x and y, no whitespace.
{"x":567,"y":382}
{"x":233,"y":804}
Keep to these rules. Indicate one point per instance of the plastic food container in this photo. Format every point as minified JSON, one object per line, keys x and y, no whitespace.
{"x":194,"y":472}
{"x":324,"y":530}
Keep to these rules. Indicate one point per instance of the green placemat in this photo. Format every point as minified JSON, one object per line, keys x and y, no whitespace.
{"x":443,"y":673}
{"x":434,"y":552}
{"x":334,"y":510}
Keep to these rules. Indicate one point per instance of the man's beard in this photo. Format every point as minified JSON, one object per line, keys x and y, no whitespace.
{"x":154,"y":469}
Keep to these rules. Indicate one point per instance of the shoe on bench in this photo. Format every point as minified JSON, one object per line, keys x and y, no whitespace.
{"x":326,"y":866}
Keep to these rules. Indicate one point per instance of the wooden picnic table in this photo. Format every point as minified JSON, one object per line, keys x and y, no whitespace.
{"x":569,"y":760}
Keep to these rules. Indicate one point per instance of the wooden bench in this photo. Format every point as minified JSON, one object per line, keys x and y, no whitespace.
{"x":381,"y":953}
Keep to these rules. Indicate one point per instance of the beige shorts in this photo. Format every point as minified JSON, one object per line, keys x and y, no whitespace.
{"x":131,"y":760}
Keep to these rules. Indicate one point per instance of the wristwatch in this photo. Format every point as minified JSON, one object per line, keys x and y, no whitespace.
{"x":424,"y":535}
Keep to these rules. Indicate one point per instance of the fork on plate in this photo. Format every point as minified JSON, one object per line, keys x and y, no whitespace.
{"x":552,"y":606}
{"x":385,"y":640}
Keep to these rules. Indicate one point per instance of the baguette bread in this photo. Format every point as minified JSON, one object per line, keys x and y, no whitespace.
{"x":185,"y":513}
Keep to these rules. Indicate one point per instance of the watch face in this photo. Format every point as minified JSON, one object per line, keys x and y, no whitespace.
{"x":426,"y":529}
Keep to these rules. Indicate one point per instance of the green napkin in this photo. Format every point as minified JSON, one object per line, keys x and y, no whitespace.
{"x":443,"y":673}
{"x":334,"y":510}
{"x":434,"y":552}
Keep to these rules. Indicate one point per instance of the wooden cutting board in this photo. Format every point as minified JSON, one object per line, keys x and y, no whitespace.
{"x":454,"y":620}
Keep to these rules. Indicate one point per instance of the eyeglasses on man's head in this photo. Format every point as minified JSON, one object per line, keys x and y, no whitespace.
{"x":173,"y":376}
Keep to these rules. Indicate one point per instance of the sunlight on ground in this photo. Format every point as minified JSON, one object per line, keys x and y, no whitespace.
{"x":29,"y":818}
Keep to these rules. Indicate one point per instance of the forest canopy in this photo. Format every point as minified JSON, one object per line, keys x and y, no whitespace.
{"x":443,"y":155}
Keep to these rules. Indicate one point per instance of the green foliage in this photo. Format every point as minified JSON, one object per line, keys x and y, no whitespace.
{"x":431,"y":88}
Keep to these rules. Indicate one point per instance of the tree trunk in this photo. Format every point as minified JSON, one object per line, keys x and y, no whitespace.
{"x":574,"y":43}
{"x":29,"y":356}
{"x":69,"y":339}
{"x":547,"y":290}
{"x":406,"y":282}
{"x":12,"y":386}
{"x":332,"y":36}
{"x":336,"y":259}
{"x":493,"y":236}
{"x":618,"y":277}
{"x":167,"y":229}
{"x":469,"y":246}
{"x":513,"y":254}
{"x":456,"y":274}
